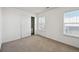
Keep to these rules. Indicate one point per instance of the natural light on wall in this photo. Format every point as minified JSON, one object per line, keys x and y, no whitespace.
{"x":71,"y":23}
{"x":41,"y":23}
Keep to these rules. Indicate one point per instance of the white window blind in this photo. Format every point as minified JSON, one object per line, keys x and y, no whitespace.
{"x":71,"y":23}
{"x":41,"y":23}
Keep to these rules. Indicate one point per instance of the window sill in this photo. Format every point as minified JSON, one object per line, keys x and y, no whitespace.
{"x":71,"y":35}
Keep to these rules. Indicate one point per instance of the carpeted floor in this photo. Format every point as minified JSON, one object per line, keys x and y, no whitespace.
{"x":36,"y":44}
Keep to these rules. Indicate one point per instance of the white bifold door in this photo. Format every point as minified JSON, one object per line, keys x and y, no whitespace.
{"x":25,"y":26}
{"x":16,"y":24}
{"x":16,"y":27}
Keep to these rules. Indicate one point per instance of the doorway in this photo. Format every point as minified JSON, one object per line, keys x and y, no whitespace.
{"x":32,"y":25}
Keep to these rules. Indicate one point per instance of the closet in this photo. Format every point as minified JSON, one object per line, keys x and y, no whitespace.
{"x":16,"y":24}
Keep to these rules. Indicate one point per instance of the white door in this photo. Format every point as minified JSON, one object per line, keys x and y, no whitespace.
{"x":0,"y":28}
{"x":25,"y":26}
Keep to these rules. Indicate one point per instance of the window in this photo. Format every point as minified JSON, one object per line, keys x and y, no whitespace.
{"x":71,"y":23}
{"x":41,"y":23}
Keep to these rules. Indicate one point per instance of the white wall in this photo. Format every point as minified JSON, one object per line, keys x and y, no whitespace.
{"x":12,"y":22}
{"x":54,"y":26}
{"x":0,"y":27}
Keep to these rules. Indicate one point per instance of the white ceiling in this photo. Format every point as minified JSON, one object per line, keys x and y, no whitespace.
{"x":35,"y":10}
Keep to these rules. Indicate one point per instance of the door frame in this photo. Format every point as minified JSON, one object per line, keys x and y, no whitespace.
{"x":33,"y":25}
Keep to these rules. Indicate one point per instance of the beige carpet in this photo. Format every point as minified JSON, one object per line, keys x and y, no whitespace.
{"x":36,"y":44}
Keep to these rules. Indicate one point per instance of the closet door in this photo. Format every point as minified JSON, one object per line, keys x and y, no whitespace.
{"x":25,"y":26}
{"x":0,"y":28}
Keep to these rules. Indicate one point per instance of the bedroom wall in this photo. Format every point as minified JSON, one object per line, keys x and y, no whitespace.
{"x":54,"y":26}
{"x":15,"y":24}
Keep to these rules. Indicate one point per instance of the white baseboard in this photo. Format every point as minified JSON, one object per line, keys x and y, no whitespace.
{"x":58,"y":41}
